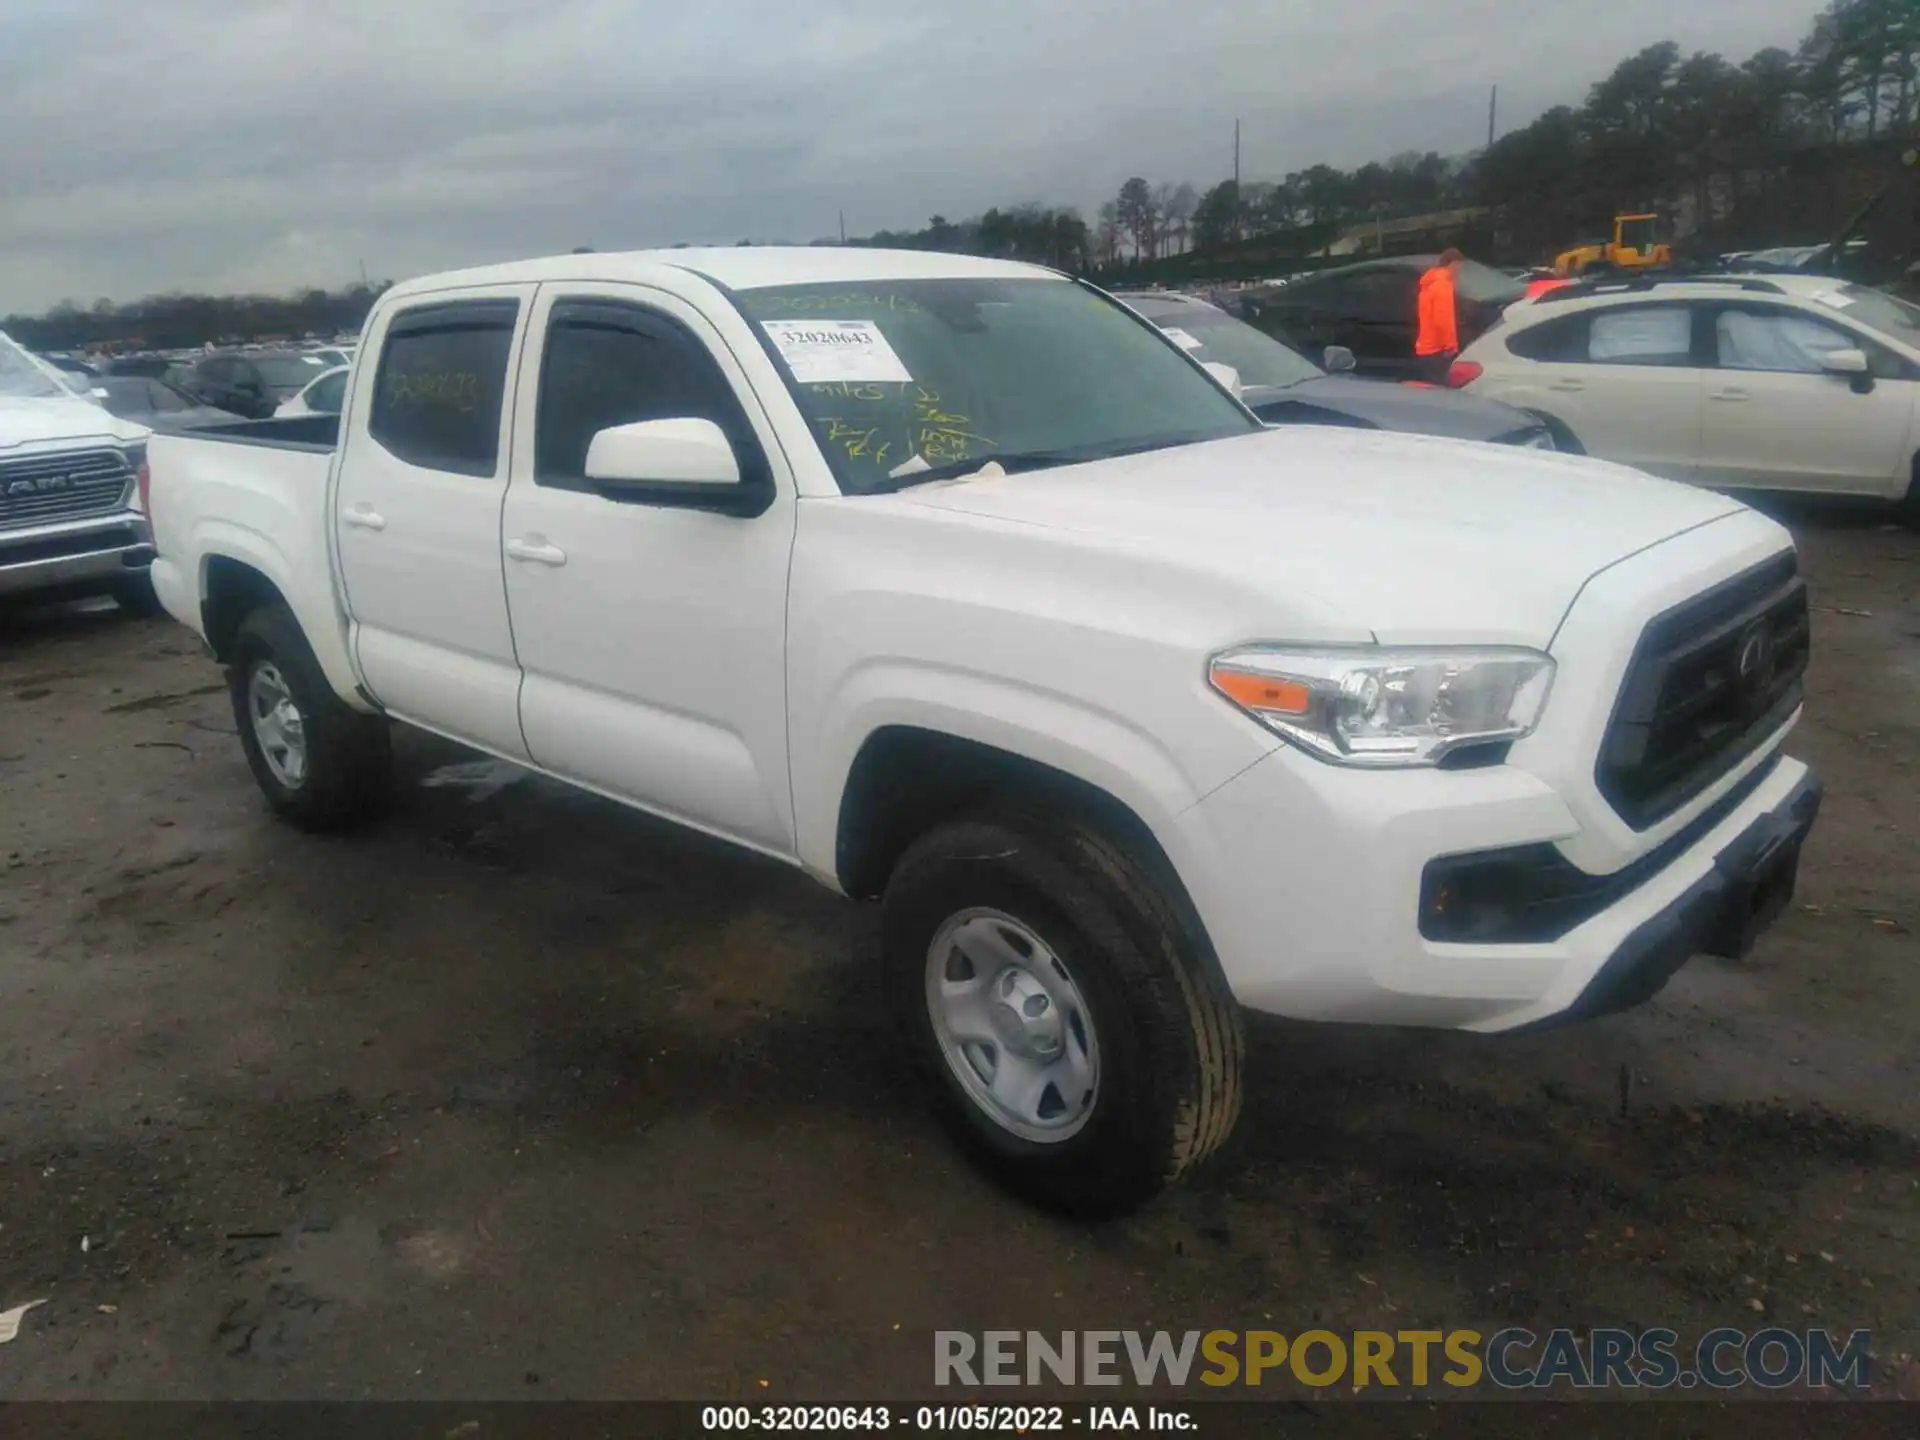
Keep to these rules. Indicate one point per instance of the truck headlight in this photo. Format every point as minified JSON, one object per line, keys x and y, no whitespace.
{"x":1384,"y":707}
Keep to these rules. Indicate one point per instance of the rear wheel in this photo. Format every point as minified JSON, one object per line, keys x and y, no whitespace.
{"x":321,"y":764}
{"x":1074,"y":1029}
{"x":1564,"y":440}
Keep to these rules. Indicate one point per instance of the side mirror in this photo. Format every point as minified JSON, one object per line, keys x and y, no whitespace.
{"x":689,"y":461}
{"x":1848,"y":363}
{"x":1228,"y":377}
{"x":1338,"y":360}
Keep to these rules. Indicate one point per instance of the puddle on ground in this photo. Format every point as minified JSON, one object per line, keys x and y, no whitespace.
{"x":481,"y":779}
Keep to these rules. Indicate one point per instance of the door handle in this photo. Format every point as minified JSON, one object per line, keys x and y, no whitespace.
{"x":535,"y":551}
{"x":1731,"y":397}
{"x":365,"y":517}
{"x":1569,"y":386}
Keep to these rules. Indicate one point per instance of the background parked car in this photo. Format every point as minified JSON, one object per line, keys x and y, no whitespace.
{"x":1372,"y":309}
{"x":153,"y":367}
{"x":323,"y":397}
{"x":156,"y":404}
{"x":1282,"y":386}
{"x":251,"y":384}
{"x":1775,"y":382}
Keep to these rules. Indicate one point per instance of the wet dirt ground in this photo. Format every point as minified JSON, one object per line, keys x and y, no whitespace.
{"x":525,"y":1096}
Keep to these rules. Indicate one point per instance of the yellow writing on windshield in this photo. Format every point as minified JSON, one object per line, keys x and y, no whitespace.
{"x":917,"y":423}
{"x":452,"y":389}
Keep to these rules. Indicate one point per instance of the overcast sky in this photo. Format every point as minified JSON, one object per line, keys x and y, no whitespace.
{"x":149,"y":145}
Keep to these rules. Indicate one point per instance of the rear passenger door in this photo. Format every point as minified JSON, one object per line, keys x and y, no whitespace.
{"x":417,"y":514}
{"x":1626,"y":380}
{"x":652,"y":629}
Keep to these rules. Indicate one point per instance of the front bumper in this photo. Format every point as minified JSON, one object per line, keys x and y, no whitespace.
{"x":75,"y":554}
{"x":1721,"y":913}
{"x":1309,"y":879}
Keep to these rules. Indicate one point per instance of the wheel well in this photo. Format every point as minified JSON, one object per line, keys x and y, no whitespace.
{"x":906,"y":780}
{"x":234,"y":590}
{"x":1563,"y":438}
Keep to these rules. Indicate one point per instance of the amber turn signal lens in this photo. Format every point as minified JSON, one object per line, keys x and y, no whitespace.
{"x":1254,"y":691}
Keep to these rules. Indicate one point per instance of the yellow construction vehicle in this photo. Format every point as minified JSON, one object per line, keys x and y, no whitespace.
{"x":1634,"y":247}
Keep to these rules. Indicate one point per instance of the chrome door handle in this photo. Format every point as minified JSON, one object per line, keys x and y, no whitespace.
{"x":1732,"y":397}
{"x":536,"y":551}
{"x":365,"y":517}
{"x":1566,"y":385}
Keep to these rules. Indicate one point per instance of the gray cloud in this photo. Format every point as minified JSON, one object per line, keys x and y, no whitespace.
{"x":279,"y":143}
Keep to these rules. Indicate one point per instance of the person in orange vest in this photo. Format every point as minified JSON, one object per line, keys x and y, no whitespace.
{"x":1438,"y":340}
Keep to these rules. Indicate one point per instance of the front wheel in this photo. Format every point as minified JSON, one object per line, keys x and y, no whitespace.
{"x":1071,"y":1022}
{"x":134,"y":594}
{"x":321,"y":764}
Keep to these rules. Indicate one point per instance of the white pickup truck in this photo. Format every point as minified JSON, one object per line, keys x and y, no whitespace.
{"x":958,"y":585}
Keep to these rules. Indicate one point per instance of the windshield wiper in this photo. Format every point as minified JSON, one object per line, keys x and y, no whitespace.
{"x":1016,"y":461}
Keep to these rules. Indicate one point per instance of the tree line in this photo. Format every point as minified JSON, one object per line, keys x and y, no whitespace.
{"x":1756,"y":152}
{"x":180,"y":321}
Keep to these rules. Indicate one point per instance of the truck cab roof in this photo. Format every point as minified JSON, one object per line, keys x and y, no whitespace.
{"x":739,"y":267}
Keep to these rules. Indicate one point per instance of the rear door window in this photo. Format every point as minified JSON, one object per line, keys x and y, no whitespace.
{"x":437,"y":396}
{"x":1642,"y":335}
{"x":1562,"y":341}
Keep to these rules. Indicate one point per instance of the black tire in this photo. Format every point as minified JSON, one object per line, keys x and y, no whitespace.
{"x":134,"y":594}
{"x":1169,"y":1035}
{"x":1564,"y":440}
{"x":1907,"y":511}
{"x":348,"y":760}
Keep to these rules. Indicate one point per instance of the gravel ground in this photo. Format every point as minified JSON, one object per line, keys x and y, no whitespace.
{"x":525,"y":1096}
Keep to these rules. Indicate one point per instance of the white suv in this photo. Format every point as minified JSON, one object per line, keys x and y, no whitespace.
{"x":1774,"y":382}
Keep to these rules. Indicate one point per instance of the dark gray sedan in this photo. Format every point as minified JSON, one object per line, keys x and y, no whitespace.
{"x":1283,"y":387}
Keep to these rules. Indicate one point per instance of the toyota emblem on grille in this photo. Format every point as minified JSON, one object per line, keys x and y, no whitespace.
{"x":1755,"y":664}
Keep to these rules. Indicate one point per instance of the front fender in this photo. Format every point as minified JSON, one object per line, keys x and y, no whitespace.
{"x":1102,"y":749}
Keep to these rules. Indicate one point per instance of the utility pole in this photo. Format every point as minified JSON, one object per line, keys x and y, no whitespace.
{"x":363,"y":275}
{"x":1236,"y":179}
{"x":1493,"y":104}
{"x":843,"y":227}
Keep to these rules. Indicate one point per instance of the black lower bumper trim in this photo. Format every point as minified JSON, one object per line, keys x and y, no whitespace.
{"x":1721,"y":913}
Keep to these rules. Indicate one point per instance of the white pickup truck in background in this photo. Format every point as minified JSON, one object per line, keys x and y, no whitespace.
{"x":69,"y":516}
{"x":960,"y":586}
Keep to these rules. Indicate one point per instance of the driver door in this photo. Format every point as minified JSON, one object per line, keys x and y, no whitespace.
{"x":651,"y":630}
{"x":1776,"y":420}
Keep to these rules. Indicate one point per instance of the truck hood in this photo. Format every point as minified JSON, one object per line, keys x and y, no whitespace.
{"x":50,"y":423}
{"x":1413,"y":539}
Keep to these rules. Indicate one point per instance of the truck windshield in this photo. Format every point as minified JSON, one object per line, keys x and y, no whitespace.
{"x":902,"y":377}
{"x":24,"y":378}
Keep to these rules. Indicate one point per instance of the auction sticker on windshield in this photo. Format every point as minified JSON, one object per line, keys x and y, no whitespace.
{"x":822,"y":351}
{"x":1181,"y":338}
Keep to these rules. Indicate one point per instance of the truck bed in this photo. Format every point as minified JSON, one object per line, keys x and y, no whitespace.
{"x":252,"y":494}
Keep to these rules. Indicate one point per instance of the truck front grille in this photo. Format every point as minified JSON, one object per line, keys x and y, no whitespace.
{"x":1709,"y":681}
{"x":47,"y":489}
